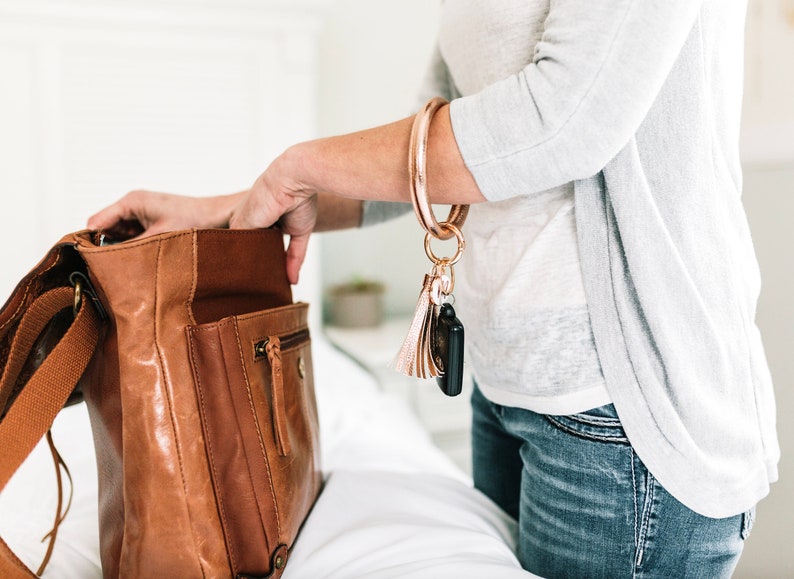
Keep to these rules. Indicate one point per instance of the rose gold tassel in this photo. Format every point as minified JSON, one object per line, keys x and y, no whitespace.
{"x":414,"y":358}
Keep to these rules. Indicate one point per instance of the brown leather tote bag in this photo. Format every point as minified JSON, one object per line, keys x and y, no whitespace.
{"x":196,"y":368}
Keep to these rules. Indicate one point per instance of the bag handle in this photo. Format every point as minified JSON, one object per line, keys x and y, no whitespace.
{"x":32,"y":413}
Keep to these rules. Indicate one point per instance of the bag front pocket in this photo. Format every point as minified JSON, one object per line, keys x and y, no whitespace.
{"x":254,"y":384}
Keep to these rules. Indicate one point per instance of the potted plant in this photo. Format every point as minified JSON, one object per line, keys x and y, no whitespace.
{"x":357,"y":303}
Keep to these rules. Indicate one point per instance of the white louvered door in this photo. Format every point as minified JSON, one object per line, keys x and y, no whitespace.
{"x":98,"y":98}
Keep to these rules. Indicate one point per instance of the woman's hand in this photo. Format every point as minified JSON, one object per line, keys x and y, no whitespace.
{"x":144,"y":213}
{"x":275,"y":197}
{"x":278,"y":196}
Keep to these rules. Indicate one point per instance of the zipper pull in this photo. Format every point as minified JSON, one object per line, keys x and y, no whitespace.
{"x":277,"y":402}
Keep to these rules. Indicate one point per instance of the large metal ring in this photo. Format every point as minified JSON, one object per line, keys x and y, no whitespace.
{"x":417,"y":168}
{"x":446,"y":260}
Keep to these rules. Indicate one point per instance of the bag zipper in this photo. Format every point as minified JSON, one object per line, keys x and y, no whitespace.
{"x":271,"y":347}
{"x":286,"y":342}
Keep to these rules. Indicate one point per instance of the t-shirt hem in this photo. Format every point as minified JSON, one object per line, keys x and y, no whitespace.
{"x":557,"y":404}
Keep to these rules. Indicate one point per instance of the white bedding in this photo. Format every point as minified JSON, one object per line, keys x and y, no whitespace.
{"x":393,"y":504}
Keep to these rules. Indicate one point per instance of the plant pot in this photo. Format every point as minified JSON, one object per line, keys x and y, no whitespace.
{"x":356,"y":306}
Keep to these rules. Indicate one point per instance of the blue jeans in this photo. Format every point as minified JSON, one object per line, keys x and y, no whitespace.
{"x":585,"y":503}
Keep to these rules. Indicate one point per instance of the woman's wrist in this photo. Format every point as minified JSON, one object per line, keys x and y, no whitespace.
{"x":303,"y":163}
{"x":303,"y":169}
{"x":221,"y":207}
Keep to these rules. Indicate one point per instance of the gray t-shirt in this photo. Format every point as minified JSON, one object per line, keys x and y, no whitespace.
{"x":638,"y":104}
{"x":520,"y":289}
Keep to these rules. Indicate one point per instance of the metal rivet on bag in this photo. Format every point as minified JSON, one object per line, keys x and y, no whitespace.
{"x":279,"y":562}
{"x":301,"y":367}
{"x":260,"y":349}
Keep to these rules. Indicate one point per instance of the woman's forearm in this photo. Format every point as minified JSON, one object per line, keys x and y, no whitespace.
{"x":334,"y":213}
{"x":373,"y":164}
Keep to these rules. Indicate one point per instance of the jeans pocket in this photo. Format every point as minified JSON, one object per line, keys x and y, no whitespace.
{"x":748,"y":520}
{"x":600,"y":424}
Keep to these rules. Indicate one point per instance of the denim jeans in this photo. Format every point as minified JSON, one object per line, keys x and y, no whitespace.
{"x":585,"y":503}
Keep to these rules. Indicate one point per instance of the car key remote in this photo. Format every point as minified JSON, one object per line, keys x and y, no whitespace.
{"x":448,"y":351}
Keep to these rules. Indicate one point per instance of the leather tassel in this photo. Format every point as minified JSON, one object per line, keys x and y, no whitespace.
{"x":60,"y":512}
{"x":415,"y":356}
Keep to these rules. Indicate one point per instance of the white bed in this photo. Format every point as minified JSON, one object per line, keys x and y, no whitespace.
{"x":393,"y":504}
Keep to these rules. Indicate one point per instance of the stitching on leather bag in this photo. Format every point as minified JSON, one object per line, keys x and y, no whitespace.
{"x":306,"y":413}
{"x":135,"y":244}
{"x":233,"y":322}
{"x":275,"y":312}
{"x":171,"y":408}
{"x":197,"y":377}
{"x":236,"y":231}
{"x":194,"y":281}
{"x":164,"y":237}
{"x":21,"y":305}
{"x":258,"y":432}
{"x":204,"y":328}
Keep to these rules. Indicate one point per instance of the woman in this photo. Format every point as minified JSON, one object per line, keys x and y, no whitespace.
{"x":623,"y":411}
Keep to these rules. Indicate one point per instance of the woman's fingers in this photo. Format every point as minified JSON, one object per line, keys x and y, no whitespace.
{"x":120,"y":212}
{"x":254,"y":213}
{"x":136,"y":214}
{"x":296,"y":254}
{"x":141,"y":213}
{"x":268,"y":202}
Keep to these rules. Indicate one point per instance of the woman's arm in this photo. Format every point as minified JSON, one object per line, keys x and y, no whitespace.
{"x":437,"y":82}
{"x":334,"y":213}
{"x":595,"y":74}
{"x":370,"y":164}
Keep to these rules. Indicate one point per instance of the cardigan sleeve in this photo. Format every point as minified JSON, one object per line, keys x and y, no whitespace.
{"x":595,"y":74}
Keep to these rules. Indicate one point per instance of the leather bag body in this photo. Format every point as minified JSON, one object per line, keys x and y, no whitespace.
{"x":201,"y":399}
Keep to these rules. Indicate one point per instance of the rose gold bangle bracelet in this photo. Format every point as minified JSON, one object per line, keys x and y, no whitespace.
{"x":417,"y":167}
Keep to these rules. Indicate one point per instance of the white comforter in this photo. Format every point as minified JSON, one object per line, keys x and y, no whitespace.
{"x":393,"y":505}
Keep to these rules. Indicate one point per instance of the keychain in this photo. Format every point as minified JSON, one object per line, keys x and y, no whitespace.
{"x":435,"y":341}
{"x":433,"y":347}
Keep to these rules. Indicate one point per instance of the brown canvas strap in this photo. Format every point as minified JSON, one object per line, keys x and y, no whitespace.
{"x":33,"y":411}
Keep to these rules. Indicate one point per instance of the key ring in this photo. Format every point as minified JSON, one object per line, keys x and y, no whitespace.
{"x":417,"y":167}
{"x":443,"y":284}
{"x":448,"y":261}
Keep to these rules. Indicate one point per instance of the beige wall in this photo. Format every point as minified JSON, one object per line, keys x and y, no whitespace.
{"x":769,"y":199}
{"x":373,"y":58}
{"x":374,"y":52}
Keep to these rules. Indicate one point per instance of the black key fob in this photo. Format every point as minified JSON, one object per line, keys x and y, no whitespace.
{"x":448,"y":351}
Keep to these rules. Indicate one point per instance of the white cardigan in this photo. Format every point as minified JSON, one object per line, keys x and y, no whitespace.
{"x":639,"y":104}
